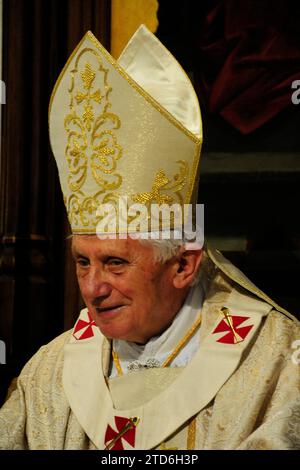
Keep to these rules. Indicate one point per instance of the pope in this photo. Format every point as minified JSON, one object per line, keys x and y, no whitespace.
{"x":176,"y":348}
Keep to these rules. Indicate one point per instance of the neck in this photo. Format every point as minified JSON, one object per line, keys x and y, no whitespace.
{"x":178,"y":341}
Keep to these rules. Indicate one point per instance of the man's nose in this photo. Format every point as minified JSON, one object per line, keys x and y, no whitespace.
{"x":97,"y":285}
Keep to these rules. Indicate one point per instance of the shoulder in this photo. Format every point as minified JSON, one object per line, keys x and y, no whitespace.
{"x":279,"y":334}
{"x":54,"y":348}
{"x":239,"y":279}
{"x":47,"y":360}
{"x":282,"y":331}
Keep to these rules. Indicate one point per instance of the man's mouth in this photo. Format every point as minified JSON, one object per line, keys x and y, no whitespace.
{"x":108,"y":308}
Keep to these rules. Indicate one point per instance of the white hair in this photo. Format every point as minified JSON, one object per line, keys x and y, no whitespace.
{"x":164,"y":250}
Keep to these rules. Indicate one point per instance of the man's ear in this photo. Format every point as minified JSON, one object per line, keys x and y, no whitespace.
{"x":188,"y":265}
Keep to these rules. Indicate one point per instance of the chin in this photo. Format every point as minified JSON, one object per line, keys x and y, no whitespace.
{"x":114,"y":333}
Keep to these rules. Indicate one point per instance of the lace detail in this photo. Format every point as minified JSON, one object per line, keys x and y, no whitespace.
{"x":148,"y":364}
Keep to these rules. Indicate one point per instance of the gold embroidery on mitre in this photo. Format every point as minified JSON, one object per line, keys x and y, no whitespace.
{"x":92,"y":141}
{"x":161,"y":183}
{"x":84,"y":92}
{"x":82,"y":209}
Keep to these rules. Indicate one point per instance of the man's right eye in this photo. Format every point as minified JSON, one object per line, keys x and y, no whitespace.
{"x":83,"y":262}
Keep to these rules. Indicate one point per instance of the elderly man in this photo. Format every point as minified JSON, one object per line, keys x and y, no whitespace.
{"x":175,"y":349}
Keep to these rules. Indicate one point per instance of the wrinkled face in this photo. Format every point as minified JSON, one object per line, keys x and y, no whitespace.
{"x":129,"y":295}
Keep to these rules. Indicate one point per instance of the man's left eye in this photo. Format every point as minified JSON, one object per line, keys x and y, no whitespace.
{"x":115,"y":261}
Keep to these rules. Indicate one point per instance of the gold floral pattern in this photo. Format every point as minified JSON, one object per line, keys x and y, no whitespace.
{"x":92,"y":140}
{"x":82,"y":209}
{"x":162,"y":185}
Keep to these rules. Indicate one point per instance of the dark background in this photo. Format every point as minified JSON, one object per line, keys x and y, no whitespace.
{"x":249,"y":181}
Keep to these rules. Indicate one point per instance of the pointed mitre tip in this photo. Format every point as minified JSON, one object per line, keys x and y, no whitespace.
{"x":89,"y":35}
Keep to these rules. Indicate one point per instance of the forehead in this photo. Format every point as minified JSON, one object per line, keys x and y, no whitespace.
{"x":92,"y":245}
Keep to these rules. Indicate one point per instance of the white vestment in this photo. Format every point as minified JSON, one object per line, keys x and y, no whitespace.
{"x":239,"y":391}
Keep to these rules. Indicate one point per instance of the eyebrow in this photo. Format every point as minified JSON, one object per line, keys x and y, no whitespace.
{"x":77,"y":254}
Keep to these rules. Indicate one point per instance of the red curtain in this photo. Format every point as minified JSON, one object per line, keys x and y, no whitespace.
{"x":249,"y":56}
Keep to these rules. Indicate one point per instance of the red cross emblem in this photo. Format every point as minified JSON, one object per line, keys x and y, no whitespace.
{"x":235,"y":333}
{"x":84,"y":328}
{"x":125,"y":430}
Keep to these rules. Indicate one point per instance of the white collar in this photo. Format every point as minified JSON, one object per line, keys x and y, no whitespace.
{"x":158,"y":348}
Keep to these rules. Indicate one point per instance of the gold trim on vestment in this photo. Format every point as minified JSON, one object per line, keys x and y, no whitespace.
{"x":191,"y":437}
{"x":173,"y":354}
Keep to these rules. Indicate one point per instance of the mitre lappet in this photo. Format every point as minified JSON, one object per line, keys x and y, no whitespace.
{"x":126,"y":134}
